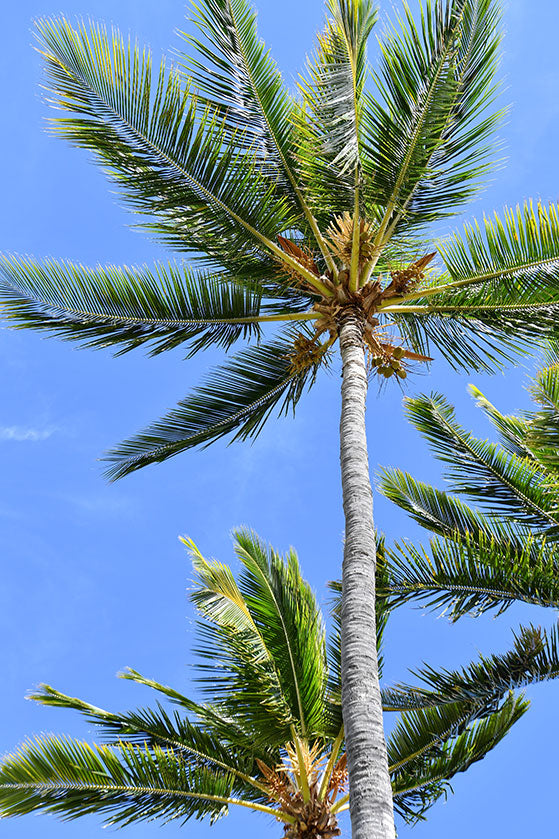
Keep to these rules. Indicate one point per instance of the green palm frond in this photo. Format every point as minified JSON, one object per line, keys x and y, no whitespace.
{"x":513,"y":430}
{"x":125,"y":783}
{"x":218,"y":719}
{"x":193,"y":744}
{"x":533,"y":658}
{"x":333,"y":102}
{"x":168,"y":156}
{"x":429,"y":130}
{"x":466,"y":574}
{"x":128,"y":307}
{"x":238,"y":396}
{"x":236,"y":76}
{"x":442,"y":513}
{"x":506,"y":484}
{"x":500,"y":296}
{"x":543,"y":430}
{"x":269,"y":634}
{"x":422,"y":785}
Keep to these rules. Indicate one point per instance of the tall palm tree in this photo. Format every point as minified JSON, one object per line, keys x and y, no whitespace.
{"x":507,"y":552}
{"x":310,"y":212}
{"x":269,"y":736}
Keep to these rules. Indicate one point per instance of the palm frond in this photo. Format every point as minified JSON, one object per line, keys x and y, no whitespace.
{"x":543,"y":433}
{"x":193,"y":744}
{"x":468,"y":574}
{"x":419,"y":788}
{"x":236,"y":76}
{"x":238,"y":396}
{"x":500,"y":296}
{"x":128,"y":307}
{"x":269,"y":624}
{"x":429,"y":128}
{"x":333,"y":101}
{"x":126,"y":784}
{"x":442,"y":513}
{"x":169,"y":157}
{"x":218,"y":719}
{"x":508,"y":485}
{"x":533,"y":658}
{"x":513,"y":430}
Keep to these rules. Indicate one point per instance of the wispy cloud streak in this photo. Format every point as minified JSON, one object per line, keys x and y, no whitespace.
{"x":19,"y":434}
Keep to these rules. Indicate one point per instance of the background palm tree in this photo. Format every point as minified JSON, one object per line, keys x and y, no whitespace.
{"x":311,"y":211}
{"x":270,"y":736}
{"x":505,"y":552}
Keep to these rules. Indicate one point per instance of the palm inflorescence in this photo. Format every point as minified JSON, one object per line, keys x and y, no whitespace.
{"x":294,"y":207}
{"x":268,"y":735}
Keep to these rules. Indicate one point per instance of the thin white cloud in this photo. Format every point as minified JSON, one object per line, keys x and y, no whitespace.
{"x":19,"y":434}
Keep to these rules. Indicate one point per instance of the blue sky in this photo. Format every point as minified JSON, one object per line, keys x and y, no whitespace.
{"x":94,"y":578}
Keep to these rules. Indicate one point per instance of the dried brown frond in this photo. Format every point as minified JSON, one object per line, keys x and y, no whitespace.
{"x":407,"y":279}
{"x":304,"y":257}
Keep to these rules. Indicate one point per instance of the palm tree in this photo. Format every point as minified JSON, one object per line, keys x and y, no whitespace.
{"x":310,"y":212}
{"x":269,"y":736}
{"x":507,"y":552}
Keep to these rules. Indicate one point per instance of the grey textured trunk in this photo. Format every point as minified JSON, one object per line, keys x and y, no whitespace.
{"x":371,"y":809}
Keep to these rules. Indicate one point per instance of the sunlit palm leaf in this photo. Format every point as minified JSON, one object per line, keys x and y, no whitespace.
{"x":128,"y":307}
{"x":429,"y":129}
{"x":506,"y":484}
{"x":168,"y":157}
{"x":475,"y":574}
{"x":333,"y":97}
{"x":126,"y":784}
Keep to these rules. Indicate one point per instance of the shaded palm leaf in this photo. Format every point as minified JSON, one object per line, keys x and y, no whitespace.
{"x":419,"y":788}
{"x":239,"y":397}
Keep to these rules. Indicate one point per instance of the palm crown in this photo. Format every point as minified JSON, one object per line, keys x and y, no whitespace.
{"x":294,"y":208}
{"x":270,"y":735}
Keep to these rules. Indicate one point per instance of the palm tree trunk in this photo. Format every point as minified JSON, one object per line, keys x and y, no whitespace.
{"x":371,"y":808}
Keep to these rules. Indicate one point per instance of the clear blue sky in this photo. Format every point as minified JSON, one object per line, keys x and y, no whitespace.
{"x":93,"y":577}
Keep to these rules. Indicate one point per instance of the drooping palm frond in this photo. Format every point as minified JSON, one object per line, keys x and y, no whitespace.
{"x":418,"y":788}
{"x":124,"y":783}
{"x":533,"y":658}
{"x":429,"y":127}
{"x":238,"y":396}
{"x":194,"y":744}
